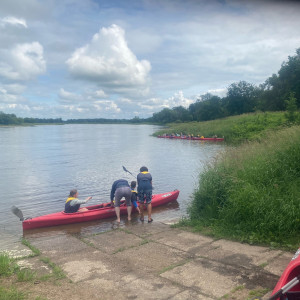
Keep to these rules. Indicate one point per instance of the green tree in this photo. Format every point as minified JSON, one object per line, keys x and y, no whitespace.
{"x":277,"y":88}
{"x":167,"y":115}
{"x":291,"y":108}
{"x":9,"y":119}
{"x":242,"y":97}
{"x":182,"y":114}
{"x":208,"y":108}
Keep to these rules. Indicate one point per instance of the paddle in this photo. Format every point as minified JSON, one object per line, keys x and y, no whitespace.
{"x":16,"y":211}
{"x":127,"y":171}
{"x":132,"y":174}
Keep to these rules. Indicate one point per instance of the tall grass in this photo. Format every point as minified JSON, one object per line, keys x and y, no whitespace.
{"x":7,"y":265}
{"x":234,"y":129}
{"x":11,"y":294}
{"x":253,"y":192}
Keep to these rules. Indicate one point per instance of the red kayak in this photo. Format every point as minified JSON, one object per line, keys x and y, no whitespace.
{"x":288,"y":286}
{"x":193,"y":138}
{"x":95,"y":212}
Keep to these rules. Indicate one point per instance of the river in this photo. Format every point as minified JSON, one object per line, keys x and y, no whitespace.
{"x":41,"y":164}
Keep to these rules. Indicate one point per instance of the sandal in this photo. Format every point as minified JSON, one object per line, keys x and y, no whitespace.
{"x":149,"y":221}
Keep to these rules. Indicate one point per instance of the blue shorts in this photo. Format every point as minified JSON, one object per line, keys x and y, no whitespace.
{"x":145,"y":196}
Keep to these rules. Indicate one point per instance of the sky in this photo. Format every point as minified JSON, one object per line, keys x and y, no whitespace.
{"x":77,"y":59}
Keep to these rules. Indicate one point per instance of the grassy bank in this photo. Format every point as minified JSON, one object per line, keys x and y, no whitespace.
{"x":234,"y":129}
{"x":252,"y":193}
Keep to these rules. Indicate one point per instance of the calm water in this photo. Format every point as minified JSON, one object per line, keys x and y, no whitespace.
{"x":40,"y":165}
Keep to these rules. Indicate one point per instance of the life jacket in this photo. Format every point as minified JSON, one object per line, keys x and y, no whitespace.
{"x":144,"y":181}
{"x":69,"y":208}
{"x":133,"y":195}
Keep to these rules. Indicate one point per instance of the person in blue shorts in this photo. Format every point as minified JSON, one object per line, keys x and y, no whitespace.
{"x":144,"y":181}
{"x":134,"y":196}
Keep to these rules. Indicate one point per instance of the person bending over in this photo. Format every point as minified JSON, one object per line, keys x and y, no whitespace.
{"x":120,"y":189}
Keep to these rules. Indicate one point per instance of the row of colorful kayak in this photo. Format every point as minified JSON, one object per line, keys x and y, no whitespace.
{"x":194,"y":138}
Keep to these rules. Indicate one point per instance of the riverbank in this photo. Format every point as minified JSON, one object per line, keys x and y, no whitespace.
{"x":235,"y":130}
{"x":144,"y":261}
{"x":252,"y":193}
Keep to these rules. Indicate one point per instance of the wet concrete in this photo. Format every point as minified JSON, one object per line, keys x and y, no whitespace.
{"x":155,"y":261}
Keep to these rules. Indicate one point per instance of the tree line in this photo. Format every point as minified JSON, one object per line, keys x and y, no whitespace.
{"x":278,"y":93}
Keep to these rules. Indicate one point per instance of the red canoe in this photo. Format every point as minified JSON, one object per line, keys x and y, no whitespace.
{"x":95,"y":212}
{"x":195,"y":138}
{"x":288,"y":286}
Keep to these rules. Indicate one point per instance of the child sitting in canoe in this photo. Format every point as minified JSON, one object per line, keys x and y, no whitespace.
{"x":73,"y":203}
{"x":134,"y":196}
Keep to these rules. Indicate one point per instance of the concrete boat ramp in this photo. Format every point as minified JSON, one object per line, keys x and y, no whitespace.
{"x":154,"y":261}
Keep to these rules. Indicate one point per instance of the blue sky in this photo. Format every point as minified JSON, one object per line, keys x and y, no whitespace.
{"x":120,"y":59}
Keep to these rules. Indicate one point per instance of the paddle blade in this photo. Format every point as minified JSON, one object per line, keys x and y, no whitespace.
{"x":127,"y":170}
{"x":16,"y":211}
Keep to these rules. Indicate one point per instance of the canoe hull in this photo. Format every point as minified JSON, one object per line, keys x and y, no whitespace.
{"x":95,"y":212}
{"x":292,"y":270}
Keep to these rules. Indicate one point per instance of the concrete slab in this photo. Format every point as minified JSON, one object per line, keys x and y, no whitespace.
{"x":279,"y":263}
{"x":114,"y":241}
{"x":203,"y":277}
{"x":79,"y":270}
{"x":17,"y":251}
{"x":185,"y":241}
{"x":11,"y":246}
{"x":36,"y":265}
{"x":239,"y":254}
{"x":217,"y":279}
{"x":151,"y":257}
{"x":154,"y":261}
{"x":188,"y":295}
{"x":148,"y":229}
{"x":105,"y":289}
{"x":150,"y":287}
{"x":62,"y":243}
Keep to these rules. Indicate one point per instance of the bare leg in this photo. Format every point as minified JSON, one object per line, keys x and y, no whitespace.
{"x":82,"y":209}
{"x":129,"y":208}
{"x":149,"y":210}
{"x":142,"y":211}
{"x":117,"y":209}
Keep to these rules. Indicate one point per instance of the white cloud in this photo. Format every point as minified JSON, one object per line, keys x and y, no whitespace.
{"x":13,"y":21}
{"x":87,"y":96}
{"x":193,"y":46}
{"x":66,"y":96}
{"x":24,"y":62}
{"x":157,"y":104}
{"x":100,"y":94}
{"x":179,"y":100}
{"x":108,"y":61}
{"x":218,"y":92}
{"x":11,"y":93}
{"x":6,"y":97}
